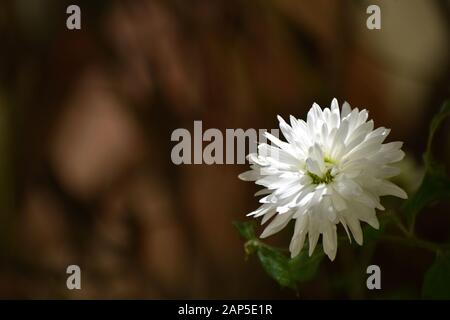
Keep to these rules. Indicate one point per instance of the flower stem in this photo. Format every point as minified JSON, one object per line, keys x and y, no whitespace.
{"x":412,"y":226}
{"x":400,"y":225}
{"x":416,"y":242}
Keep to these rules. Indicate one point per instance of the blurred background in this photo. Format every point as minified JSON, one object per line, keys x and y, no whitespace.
{"x":86,"y":117}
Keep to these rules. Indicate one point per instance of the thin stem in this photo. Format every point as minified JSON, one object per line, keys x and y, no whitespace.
{"x":401,"y":226}
{"x":412,"y":226}
{"x":416,"y":242}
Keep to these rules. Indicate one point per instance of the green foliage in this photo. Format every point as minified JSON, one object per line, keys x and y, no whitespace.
{"x":435,"y":124}
{"x":435,"y":184}
{"x":284,"y":270}
{"x":437,"y":279}
{"x":303,"y":267}
{"x":276,"y":265}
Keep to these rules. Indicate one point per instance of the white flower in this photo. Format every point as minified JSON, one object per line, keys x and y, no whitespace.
{"x":332,"y":169}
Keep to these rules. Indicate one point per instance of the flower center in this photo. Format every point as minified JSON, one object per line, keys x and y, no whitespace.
{"x":328,"y":161}
{"x":326,"y":178}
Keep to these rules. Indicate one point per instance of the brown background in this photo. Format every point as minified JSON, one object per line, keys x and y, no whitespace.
{"x":86,"y":118}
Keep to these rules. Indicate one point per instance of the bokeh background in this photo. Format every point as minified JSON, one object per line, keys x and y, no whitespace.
{"x":86,"y":118}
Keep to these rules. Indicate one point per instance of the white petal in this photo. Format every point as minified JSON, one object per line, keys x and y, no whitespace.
{"x":355,"y":228}
{"x":278,"y":223}
{"x":268,"y":215}
{"x":330,"y":242}
{"x":313,"y":166}
{"x":313,"y":237}
{"x":262,"y":192}
{"x":298,"y":239}
{"x":388,"y":188}
{"x":346,"y":109}
{"x":286,"y":130}
{"x":338,"y":202}
{"x":260,"y":211}
{"x":251,"y":175}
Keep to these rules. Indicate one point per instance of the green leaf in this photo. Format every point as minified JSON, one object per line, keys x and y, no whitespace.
{"x":435,"y":184}
{"x":303,"y":267}
{"x":285,"y":271}
{"x":245,"y":229}
{"x":276,"y":265}
{"x":437,"y":279}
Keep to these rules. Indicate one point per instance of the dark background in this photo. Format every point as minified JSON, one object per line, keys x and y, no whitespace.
{"x":86,"y":118}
